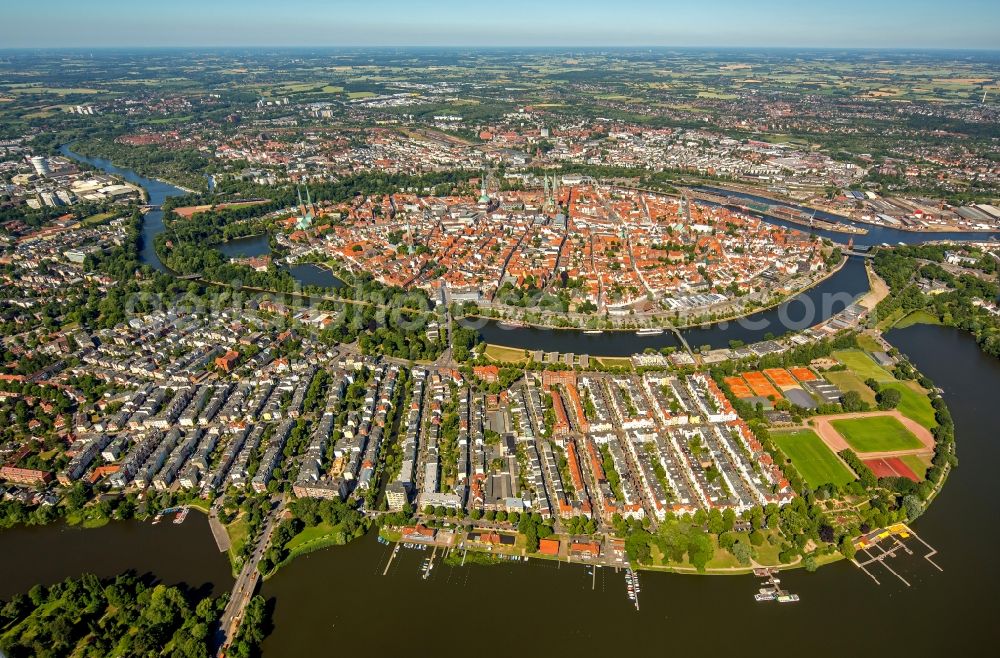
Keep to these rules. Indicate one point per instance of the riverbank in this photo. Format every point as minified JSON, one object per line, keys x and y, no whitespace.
{"x":834,"y":212}
{"x":668,"y":326}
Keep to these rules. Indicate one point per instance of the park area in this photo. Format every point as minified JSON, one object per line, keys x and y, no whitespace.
{"x":814,"y":461}
{"x":882,"y":433}
{"x":913,"y":403}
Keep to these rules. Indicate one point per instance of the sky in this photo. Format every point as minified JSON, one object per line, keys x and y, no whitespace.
{"x":740,"y":23}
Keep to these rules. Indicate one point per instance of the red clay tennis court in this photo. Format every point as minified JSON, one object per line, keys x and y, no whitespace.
{"x":891,"y":467}
{"x":760,"y":385}
{"x":781,"y":377}
{"x":804,"y":374}
{"x":738,"y":387}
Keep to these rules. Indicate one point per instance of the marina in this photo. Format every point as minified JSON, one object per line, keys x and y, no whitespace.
{"x":881,"y":546}
{"x":771,"y":588}
{"x":632,"y":586}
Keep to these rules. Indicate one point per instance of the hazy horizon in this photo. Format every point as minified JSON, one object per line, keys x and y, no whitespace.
{"x":848,"y":24}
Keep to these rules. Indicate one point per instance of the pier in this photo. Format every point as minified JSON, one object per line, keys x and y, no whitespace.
{"x":874,"y":546}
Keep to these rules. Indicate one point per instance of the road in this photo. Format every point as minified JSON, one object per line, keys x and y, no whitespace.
{"x":246,"y":582}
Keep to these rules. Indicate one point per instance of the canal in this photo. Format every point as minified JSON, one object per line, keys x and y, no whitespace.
{"x":876,"y":234}
{"x":806,"y":309}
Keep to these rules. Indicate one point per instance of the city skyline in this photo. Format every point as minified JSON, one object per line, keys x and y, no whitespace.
{"x":970,"y":24}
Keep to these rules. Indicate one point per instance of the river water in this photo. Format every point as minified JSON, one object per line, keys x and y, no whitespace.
{"x":156,"y":191}
{"x":339,"y":598}
{"x":876,"y":234}
{"x":152,"y":225}
{"x":811,"y":307}
{"x":175,"y":554}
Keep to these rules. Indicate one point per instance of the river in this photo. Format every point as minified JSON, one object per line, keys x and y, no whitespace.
{"x":876,"y":234}
{"x":156,"y":191}
{"x":338,"y":597}
{"x":175,"y":554}
{"x":806,"y":309}
{"x":152,"y":225}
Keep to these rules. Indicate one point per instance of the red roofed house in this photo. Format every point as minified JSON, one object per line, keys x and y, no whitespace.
{"x":488,"y":374}
{"x":227,"y":360}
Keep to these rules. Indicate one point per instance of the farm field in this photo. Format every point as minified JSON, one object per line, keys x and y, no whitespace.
{"x":863,"y":365}
{"x":876,"y":434}
{"x":817,"y":464}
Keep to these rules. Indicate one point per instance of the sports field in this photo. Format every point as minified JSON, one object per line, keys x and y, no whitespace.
{"x":803,"y":374}
{"x":738,"y":387}
{"x":876,"y":434}
{"x":815,"y":462}
{"x":891,"y":467}
{"x":760,"y":385}
{"x":914,"y":403}
{"x":781,"y":378}
{"x":863,"y":365}
{"x":848,"y":381}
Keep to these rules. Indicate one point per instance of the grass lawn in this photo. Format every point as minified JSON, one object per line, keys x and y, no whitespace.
{"x":917,"y":464}
{"x":848,"y":381}
{"x":863,"y":365}
{"x":767,"y":553}
{"x":237,"y":531}
{"x":314,"y":538}
{"x":876,"y":434}
{"x":98,"y":218}
{"x":200,"y":504}
{"x":615,"y":361}
{"x":868,"y":343}
{"x":815,"y":462}
{"x":505,"y":354}
{"x":916,"y":317}
{"x":914,"y":404}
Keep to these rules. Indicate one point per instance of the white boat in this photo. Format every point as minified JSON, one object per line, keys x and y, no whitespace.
{"x":649,"y":332}
{"x":593,"y":332}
